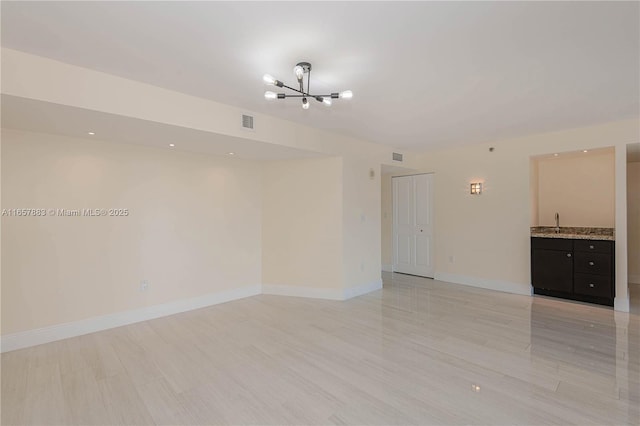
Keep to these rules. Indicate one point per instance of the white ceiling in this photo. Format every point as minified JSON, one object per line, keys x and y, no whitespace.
{"x":45,"y":117}
{"x":424,"y":74}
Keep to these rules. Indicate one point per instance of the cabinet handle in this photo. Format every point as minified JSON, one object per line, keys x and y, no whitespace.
{"x":591,"y":263}
{"x":568,"y":254}
{"x":592,"y":285}
{"x":591,"y":247}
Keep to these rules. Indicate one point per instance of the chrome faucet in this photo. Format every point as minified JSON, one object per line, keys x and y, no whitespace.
{"x":557,"y":223}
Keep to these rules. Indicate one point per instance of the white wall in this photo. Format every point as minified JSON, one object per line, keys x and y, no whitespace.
{"x":579,"y":186}
{"x":302,"y":226}
{"x":193,"y":229}
{"x":633,"y":220}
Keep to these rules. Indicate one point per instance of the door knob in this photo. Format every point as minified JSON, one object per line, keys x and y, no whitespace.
{"x":592,"y":285}
{"x":568,"y":254}
{"x":591,"y":263}
{"x":591,"y":247}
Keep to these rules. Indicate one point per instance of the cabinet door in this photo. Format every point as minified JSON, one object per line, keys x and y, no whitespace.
{"x":552,"y":270}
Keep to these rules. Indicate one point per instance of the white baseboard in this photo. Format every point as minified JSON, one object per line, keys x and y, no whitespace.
{"x":25,"y":339}
{"x":505,"y":286}
{"x":11,"y":342}
{"x":322,"y":293}
{"x":359,"y":290}
{"x":387,"y":267}
{"x":39,"y":336}
{"x":300,"y":291}
{"x":633,"y":278}
{"x":621,"y":304}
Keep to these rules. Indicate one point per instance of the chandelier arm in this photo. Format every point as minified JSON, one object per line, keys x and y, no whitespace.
{"x":306,"y":95}
{"x":302,"y":92}
{"x":295,"y":90}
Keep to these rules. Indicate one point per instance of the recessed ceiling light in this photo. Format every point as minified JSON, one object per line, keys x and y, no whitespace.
{"x":231,"y":153}
{"x":91,"y":133}
{"x":585,"y":151}
{"x":172,"y":145}
{"x":555,"y":155}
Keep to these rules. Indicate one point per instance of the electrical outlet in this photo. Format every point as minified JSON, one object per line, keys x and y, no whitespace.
{"x":144,"y":285}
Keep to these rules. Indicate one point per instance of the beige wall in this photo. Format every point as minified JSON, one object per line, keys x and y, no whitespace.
{"x":633,"y":220}
{"x":193,"y":229}
{"x":477,"y":236}
{"x":35,"y":77}
{"x":361,"y":219}
{"x":579,"y":186}
{"x":302,"y":223}
{"x":32,"y":77}
{"x":487,"y":236}
{"x":101,"y":263}
{"x":39,"y":78}
{"x":387,"y":221}
{"x":321,"y":224}
{"x":534,"y":192}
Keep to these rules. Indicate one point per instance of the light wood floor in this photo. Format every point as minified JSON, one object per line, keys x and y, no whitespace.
{"x":417,"y":352}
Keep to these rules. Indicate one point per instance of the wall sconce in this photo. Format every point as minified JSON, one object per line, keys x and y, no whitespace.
{"x":476,"y":188}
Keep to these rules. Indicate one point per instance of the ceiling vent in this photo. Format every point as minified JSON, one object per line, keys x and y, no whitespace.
{"x":397,"y":156}
{"x":247,"y":122}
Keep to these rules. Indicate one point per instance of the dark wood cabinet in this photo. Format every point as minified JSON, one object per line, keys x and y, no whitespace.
{"x":554,"y":269}
{"x":593,"y":263}
{"x":573,"y":269}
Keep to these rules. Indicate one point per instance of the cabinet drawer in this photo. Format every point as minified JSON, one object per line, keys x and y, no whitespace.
{"x":592,"y":285}
{"x":592,"y":263}
{"x":551,"y":244}
{"x":593,"y":246}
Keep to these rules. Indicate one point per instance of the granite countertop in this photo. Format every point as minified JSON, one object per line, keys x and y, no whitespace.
{"x":577,"y":233}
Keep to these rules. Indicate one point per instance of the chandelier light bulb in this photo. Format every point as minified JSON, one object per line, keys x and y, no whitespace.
{"x":301,"y":89}
{"x":268,"y":79}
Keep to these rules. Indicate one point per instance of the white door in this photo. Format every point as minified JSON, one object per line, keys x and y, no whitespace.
{"x":413,"y":225}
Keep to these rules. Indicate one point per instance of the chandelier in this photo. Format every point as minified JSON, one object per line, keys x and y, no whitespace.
{"x":300,"y":70}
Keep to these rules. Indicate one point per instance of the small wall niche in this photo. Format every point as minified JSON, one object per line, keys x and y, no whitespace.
{"x":579,"y":185}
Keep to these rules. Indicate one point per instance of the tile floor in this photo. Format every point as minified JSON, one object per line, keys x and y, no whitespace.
{"x":417,"y":352}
